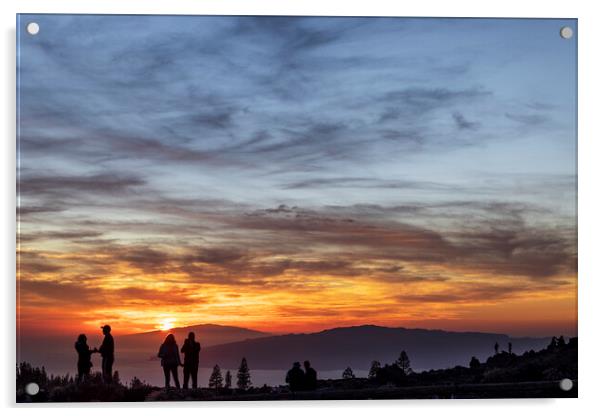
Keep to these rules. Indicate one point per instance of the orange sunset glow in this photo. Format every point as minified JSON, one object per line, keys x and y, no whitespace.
{"x":292,"y":301}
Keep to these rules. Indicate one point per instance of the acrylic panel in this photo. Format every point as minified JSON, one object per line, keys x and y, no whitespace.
{"x":294,"y":208}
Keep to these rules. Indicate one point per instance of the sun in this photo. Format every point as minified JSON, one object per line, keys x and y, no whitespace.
{"x":166,"y":324}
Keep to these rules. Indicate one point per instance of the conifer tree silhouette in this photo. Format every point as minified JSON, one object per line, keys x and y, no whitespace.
{"x":403,"y":362}
{"x":244,"y":375}
{"x":216,"y":379}
{"x":348,"y":373}
{"x":374,"y":367}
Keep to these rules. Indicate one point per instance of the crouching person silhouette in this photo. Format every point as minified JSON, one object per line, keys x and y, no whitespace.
{"x":84,"y":358}
{"x":170,"y":360}
{"x":107,"y":352}
{"x":191,"y":350}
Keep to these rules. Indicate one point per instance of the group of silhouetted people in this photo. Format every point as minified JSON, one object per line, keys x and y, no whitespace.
{"x":170,"y":360}
{"x":84,"y":356}
{"x":298,"y":379}
{"x":169,"y":353}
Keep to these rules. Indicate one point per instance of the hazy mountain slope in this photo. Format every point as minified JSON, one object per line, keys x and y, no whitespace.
{"x":358,"y":346}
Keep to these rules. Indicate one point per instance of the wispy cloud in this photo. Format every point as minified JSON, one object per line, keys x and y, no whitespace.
{"x":528,"y":119}
{"x":66,"y":185}
{"x":462,"y":123}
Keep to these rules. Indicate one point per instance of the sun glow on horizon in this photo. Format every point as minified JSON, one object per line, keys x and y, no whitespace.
{"x":166,"y":324}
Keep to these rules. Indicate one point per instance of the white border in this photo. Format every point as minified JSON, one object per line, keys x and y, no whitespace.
{"x":590,"y":209}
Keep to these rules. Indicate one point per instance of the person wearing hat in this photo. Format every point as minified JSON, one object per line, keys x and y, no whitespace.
{"x":107,"y":352}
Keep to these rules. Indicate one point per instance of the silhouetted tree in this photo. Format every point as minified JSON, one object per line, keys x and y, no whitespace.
{"x":496,"y":347}
{"x":374,"y":367}
{"x":474,"y":363}
{"x":243,"y":381}
{"x":509,"y":348}
{"x":116,"y":378}
{"x":215,"y":381}
{"x":391,"y":374}
{"x":561,"y":342}
{"x":136,"y":383}
{"x":348,"y":373}
{"x":553,"y":344}
{"x":403,"y":362}
{"x":228,"y":380}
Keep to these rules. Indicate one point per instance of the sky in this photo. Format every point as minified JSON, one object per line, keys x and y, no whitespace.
{"x":295,"y":174}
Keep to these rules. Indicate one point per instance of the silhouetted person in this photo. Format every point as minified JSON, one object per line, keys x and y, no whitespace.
{"x":295,"y":377}
{"x":496,"y":347}
{"x":170,"y":360}
{"x":191,"y":350}
{"x":107,"y":352}
{"x":84,"y":357}
{"x":311,"y":377}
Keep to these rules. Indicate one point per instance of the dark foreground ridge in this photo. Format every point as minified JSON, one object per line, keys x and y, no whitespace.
{"x":503,"y":375}
{"x":538,"y":389}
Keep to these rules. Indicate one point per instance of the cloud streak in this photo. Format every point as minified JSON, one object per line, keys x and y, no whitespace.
{"x":63,"y":185}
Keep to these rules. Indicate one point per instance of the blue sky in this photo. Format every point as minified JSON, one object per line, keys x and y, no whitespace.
{"x":188,"y":134}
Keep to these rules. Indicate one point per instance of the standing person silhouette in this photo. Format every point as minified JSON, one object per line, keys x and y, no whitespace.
{"x":170,"y":360}
{"x":311,"y":377}
{"x":107,"y":352}
{"x":84,"y":358}
{"x":191,"y":350}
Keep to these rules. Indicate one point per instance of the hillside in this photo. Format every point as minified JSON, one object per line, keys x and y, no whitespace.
{"x":357,"y":346}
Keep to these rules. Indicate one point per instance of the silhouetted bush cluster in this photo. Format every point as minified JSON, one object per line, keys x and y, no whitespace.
{"x":557,"y":361}
{"x":396,"y":373}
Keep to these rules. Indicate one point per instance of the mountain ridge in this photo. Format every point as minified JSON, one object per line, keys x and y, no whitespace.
{"x":357,"y":346}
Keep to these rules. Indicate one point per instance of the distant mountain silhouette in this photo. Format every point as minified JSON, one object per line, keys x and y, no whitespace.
{"x":207,"y":335}
{"x":357,"y":346}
